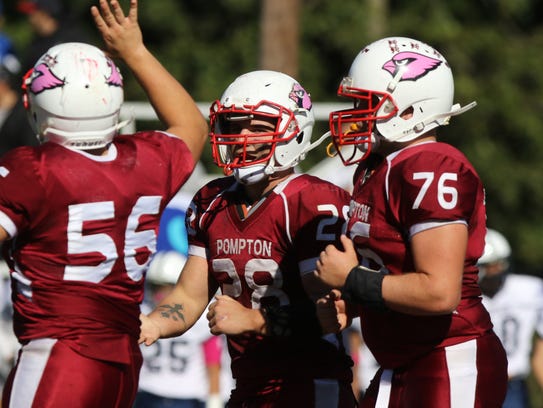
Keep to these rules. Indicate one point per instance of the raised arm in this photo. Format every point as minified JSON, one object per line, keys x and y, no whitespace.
{"x":173,"y":105}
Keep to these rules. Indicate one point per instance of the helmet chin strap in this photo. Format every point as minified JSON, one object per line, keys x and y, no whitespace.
{"x":252,"y":174}
{"x":300,"y":157}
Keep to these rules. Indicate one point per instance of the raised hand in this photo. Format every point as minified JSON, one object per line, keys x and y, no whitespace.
{"x":173,"y":105}
{"x":121,"y":34}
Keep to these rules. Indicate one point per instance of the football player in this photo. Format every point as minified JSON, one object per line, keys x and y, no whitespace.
{"x":515,"y":304}
{"x":256,"y":234}
{"x":415,"y":232}
{"x":80,"y":215}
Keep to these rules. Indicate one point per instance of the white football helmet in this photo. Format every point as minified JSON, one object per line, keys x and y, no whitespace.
{"x":494,"y":263}
{"x":271,"y":95}
{"x":165,"y":268}
{"x":73,"y":96}
{"x":387,"y":78}
{"x":497,"y":248}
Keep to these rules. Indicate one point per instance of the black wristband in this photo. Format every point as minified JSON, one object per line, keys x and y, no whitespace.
{"x":365,"y":287}
{"x":292,"y":320}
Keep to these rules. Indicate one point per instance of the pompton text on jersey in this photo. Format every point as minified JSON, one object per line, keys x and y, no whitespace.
{"x":236,"y":246}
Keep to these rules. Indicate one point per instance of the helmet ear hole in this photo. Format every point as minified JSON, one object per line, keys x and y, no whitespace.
{"x":300,"y":137}
{"x":407,"y":113}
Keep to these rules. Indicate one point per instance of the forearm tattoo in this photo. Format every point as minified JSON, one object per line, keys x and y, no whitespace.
{"x":174,"y":312}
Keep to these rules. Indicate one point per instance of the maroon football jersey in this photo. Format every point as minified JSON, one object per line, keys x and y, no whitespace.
{"x":259,"y":260}
{"x":83,"y":230}
{"x":413,"y":189}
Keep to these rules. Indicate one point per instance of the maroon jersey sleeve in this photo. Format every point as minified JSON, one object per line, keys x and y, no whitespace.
{"x":202,"y":211}
{"x":21,"y":191}
{"x":317,"y":211}
{"x":432,"y":186}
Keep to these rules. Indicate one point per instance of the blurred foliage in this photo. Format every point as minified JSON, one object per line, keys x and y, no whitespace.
{"x":493,"y":46}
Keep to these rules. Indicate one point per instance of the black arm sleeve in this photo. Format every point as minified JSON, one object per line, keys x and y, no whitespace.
{"x":297,"y":320}
{"x":364,"y":287}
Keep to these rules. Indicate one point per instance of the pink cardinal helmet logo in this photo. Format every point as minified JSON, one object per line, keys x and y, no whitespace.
{"x":299,"y":95}
{"x":44,"y":79}
{"x":418,"y":65}
{"x":115,"y":77}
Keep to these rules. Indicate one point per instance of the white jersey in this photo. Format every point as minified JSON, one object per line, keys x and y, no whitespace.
{"x":175,"y":367}
{"x":8,"y":342}
{"x":517,"y":312}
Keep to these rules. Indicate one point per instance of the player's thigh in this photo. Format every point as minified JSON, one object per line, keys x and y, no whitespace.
{"x":469,"y":374}
{"x":407,"y":389}
{"x":50,"y":374}
{"x":492,"y":370}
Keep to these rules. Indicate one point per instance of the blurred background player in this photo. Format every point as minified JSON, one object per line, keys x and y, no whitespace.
{"x":15,"y":130}
{"x":256,"y":234}
{"x":78,"y":261}
{"x":51,"y":24}
{"x":8,"y":341}
{"x":178,"y":372}
{"x":194,"y":370}
{"x":515,"y":304}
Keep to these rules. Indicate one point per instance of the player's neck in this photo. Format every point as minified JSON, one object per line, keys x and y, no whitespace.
{"x":256,"y":191}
